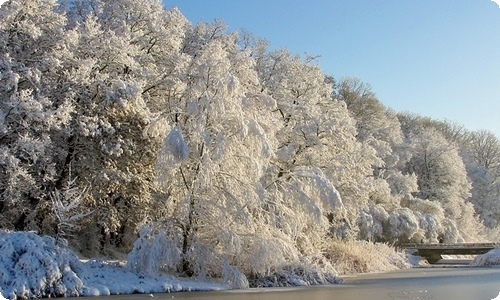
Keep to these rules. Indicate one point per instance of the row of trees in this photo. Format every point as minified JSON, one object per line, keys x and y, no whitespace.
{"x":231,"y":157}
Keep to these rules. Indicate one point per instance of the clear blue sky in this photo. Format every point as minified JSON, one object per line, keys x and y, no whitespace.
{"x":437,"y":58}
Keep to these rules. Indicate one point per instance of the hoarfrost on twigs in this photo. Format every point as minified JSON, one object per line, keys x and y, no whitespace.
{"x":175,"y":145}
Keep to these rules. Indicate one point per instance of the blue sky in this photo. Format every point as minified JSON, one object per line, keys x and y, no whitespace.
{"x":436,"y":58}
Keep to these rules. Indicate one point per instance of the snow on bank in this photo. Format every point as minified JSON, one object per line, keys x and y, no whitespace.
{"x":492,"y":258}
{"x":415,"y":260}
{"x":32,"y":266}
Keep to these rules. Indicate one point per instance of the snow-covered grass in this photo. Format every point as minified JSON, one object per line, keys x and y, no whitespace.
{"x":32,"y":266}
{"x":492,"y":258}
{"x":297,"y":274}
{"x":350,"y":257}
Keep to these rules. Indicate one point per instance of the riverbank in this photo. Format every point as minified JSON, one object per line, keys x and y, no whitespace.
{"x":32,"y":266}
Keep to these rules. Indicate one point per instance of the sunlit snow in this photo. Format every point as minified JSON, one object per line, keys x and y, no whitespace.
{"x":492,"y":258}
{"x":34,"y":267}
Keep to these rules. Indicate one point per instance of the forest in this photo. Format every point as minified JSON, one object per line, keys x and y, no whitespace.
{"x":127,"y":130}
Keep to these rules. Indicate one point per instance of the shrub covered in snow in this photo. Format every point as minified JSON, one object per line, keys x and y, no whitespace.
{"x":270,"y":262}
{"x":492,"y":258}
{"x":351,"y":257}
{"x":295,"y":275}
{"x":33,"y":267}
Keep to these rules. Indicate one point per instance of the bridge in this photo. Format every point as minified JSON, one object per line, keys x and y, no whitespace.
{"x":433,"y":252}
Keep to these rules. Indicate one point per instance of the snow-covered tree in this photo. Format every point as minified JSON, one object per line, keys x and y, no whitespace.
{"x":373,"y":120}
{"x":376,"y":125}
{"x":481,"y":152}
{"x":316,"y":144}
{"x":388,"y":215}
{"x":121,"y":62}
{"x":212,"y":160}
{"x":35,"y":110}
{"x":223,"y":216}
{"x":442,"y":177}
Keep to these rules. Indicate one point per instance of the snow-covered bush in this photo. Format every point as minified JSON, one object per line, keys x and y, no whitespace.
{"x":234,"y":278}
{"x":371,"y":223}
{"x":34,"y":267}
{"x":260,"y":261}
{"x":492,"y":258}
{"x":298,"y":274}
{"x":157,"y":250}
{"x":350,"y":257}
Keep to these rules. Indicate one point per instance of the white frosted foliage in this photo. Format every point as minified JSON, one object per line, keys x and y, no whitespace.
{"x":34,"y":267}
{"x":175,"y":145}
{"x":234,"y":278}
{"x":156,"y":251}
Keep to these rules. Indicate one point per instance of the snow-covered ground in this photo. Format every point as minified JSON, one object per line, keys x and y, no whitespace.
{"x":492,"y":258}
{"x":415,"y":260}
{"x":32,"y":266}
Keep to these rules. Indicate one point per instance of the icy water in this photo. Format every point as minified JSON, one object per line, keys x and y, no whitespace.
{"x":422,"y":283}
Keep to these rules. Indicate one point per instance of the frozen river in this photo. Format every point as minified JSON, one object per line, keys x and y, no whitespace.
{"x":423,"y":283}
